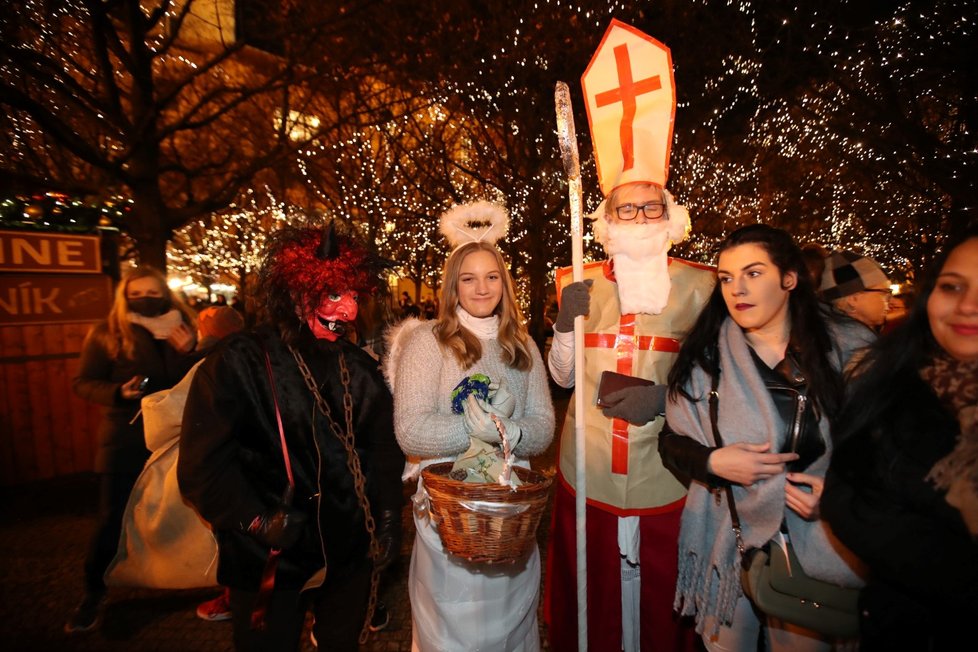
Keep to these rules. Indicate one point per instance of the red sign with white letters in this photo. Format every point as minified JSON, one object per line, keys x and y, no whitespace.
{"x":54,"y":298}
{"x":30,"y":251}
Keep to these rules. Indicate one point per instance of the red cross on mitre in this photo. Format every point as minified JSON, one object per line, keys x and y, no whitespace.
{"x":631,"y":104}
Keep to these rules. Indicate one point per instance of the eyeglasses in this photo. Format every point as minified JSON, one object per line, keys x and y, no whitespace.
{"x":652,"y":211}
{"x":887,"y":295}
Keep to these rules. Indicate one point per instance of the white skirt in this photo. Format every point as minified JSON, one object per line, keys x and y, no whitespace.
{"x":458,"y":606}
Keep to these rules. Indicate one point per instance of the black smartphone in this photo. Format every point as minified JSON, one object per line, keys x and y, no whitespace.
{"x":612,"y":381}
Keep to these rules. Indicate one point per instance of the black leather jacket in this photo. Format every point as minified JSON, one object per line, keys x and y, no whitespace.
{"x":687,"y":458}
{"x":789,"y":390}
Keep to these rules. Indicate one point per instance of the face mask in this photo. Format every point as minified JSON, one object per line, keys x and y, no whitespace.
{"x":148,"y":306}
{"x":329,"y":321}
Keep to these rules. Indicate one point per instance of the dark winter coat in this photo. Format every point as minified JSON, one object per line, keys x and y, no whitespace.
{"x":923,"y":589}
{"x":121,"y":443}
{"x":231,"y":466}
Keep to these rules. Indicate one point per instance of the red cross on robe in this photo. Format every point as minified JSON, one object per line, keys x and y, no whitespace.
{"x":626,"y":93}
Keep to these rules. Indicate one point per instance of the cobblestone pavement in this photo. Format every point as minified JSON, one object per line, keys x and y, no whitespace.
{"x":44,"y":533}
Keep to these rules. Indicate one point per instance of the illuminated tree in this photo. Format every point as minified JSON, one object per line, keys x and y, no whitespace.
{"x":228,"y":245}
{"x":847,"y":123}
{"x":890,"y":102}
{"x":392,"y":181}
{"x":492,"y":72}
{"x":166,"y":102}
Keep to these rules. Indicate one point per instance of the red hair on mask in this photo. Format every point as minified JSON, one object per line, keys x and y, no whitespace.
{"x":303,"y":265}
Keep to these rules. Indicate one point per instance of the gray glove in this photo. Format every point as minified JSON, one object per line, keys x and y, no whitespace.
{"x":575,"y":299}
{"x":637,"y":405}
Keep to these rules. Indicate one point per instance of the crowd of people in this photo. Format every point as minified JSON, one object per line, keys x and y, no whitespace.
{"x":779,"y":403}
{"x":855,"y":442}
{"x":776,"y":421}
{"x":426,"y":309}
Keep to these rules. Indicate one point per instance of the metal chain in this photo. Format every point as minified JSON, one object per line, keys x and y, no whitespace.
{"x":353,"y":465}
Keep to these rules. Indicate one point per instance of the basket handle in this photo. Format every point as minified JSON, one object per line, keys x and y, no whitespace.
{"x":505,"y":478}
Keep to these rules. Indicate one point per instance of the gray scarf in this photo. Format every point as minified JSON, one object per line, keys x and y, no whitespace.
{"x":709,"y":565}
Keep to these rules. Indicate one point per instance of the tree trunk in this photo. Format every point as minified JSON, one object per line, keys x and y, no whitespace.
{"x":538,"y":299}
{"x":151,"y":250}
{"x":246,"y":296}
{"x":148,"y":224}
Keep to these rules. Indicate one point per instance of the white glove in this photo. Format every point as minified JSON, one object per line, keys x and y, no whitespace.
{"x":480,"y":425}
{"x":502,"y":401}
{"x":477,"y":421}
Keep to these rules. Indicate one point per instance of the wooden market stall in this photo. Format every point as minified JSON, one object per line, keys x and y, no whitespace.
{"x":52,"y":290}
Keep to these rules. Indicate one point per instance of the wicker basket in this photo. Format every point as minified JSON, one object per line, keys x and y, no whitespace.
{"x":487,"y":535}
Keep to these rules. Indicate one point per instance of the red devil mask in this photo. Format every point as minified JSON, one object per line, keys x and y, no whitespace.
{"x":318,"y":274}
{"x":329,"y":320}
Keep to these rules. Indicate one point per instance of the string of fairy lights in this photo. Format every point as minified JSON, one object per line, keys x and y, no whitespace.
{"x":229,"y":244}
{"x":376,"y":183}
{"x":830,"y":136}
{"x":61,"y":212}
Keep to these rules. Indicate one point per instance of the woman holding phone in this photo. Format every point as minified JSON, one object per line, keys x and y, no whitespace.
{"x":145,"y":345}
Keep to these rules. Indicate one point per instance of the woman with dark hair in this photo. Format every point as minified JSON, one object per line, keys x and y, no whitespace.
{"x":145,"y":345}
{"x":902,"y":489}
{"x":457,"y":605}
{"x":776,"y":364}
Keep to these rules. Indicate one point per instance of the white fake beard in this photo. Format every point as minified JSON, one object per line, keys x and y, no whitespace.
{"x":640,"y":254}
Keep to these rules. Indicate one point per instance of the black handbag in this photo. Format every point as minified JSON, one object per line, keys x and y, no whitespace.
{"x":773,"y":579}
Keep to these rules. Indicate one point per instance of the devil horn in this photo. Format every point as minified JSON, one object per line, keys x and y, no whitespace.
{"x":328,"y":246}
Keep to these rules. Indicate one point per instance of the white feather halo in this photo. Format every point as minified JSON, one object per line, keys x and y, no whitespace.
{"x":480,"y":221}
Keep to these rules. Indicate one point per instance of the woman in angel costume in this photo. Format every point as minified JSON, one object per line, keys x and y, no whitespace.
{"x":455,"y":604}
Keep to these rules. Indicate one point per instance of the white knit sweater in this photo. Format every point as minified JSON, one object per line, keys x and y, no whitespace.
{"x":427,"y":374}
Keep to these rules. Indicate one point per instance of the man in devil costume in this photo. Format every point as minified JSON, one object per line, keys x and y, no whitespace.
{"x":288,"y":451}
